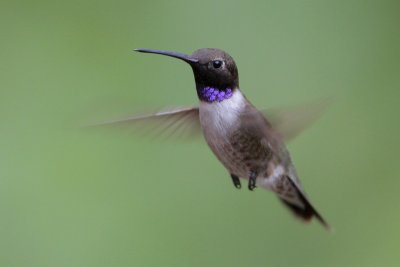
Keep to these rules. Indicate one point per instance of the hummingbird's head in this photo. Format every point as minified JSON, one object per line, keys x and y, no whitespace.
{"x":213,"y":70}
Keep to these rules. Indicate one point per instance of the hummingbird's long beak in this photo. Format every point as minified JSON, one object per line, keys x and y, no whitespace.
{"x":181,"y":56}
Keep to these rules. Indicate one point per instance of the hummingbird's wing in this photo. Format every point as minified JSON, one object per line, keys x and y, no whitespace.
{"x":184,"y":122}
{"x":290,"y":122}
{"x":172,"y":122}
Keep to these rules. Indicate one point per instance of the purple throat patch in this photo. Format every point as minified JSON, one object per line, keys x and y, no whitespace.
{"x":210,"y":94}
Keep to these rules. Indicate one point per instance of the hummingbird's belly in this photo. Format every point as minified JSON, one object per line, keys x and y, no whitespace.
{"x":242,"y":154}
{"x":240,"y":151}
{"x":238,"y":148}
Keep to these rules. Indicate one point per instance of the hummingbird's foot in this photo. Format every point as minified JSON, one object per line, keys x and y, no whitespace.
{"x":252,"y":181}
{"x":236,"y":181}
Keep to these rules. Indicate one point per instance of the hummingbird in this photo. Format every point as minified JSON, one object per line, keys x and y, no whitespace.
{"x":242,"y":138}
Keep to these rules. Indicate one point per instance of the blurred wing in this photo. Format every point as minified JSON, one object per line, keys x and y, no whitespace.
{"x":290,"y":122}
{"x":173,"y":122}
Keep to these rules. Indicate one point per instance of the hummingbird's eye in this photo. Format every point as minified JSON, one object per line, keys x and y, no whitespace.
{"x":217,"y":63}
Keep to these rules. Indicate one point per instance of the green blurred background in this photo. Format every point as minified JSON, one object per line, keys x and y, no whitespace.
{"x":70,"y":197}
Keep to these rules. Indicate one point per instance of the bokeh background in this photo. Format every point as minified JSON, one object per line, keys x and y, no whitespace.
{"x":71,"y":197}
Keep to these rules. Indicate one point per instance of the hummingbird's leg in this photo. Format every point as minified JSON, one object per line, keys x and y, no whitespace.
{"x":252,"y":181}
{"x":236,"y":181}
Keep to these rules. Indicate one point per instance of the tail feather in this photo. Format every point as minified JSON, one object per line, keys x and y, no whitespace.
{"x":307,"y":212}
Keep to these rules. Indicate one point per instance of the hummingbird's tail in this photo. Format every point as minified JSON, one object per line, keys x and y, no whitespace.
{"x":306,"y":211}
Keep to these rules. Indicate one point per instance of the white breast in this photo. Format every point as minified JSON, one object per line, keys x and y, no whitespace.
{"x":219,"y":117}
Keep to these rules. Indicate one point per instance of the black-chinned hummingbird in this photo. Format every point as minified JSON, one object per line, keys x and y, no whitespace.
{"x":240,"y":136}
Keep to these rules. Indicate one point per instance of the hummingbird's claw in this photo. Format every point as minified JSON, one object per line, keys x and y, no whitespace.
{"x":236,"y":181}
{"x":252,"y":181}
